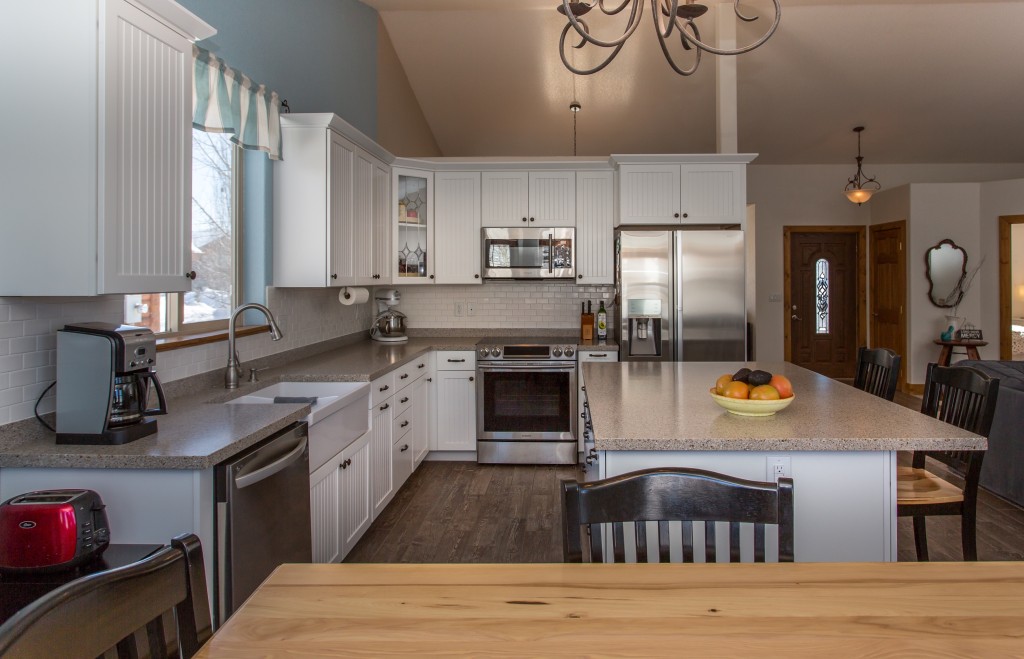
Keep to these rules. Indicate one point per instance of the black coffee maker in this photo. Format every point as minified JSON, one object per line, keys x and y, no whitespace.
{"x":104,"y":375}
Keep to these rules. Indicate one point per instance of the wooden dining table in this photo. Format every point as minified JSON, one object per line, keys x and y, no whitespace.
{"x":697,"y":610}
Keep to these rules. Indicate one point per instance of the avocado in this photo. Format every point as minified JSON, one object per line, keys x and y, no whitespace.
{"x":759,"y":377}
{"x":741,"y":375}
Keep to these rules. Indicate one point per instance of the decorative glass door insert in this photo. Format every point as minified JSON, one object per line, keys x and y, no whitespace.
{"x":413,"y":233}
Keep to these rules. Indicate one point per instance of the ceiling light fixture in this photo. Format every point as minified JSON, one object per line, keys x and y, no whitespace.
{"x":669,"y":15}
{"x":860,"y":188}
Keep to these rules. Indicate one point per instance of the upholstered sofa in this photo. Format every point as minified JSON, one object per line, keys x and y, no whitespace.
{"x":1003,"y":469}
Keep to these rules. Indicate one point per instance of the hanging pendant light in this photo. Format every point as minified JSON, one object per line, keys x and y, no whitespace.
{"x":668,"y":15}
{"x":860,"y":188}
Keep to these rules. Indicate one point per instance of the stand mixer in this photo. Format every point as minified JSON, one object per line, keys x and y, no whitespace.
{"x":389,"y":325}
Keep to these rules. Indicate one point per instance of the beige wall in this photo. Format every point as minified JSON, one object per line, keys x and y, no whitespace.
{"x":401,"y":126}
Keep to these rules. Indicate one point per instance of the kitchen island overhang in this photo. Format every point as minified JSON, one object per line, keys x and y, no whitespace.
{"x":838,"y":444}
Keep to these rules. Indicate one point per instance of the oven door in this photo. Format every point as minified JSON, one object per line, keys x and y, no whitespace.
{"x":526,"y":402}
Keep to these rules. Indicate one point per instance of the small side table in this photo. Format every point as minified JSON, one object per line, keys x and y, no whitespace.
{"x":946,"y":353}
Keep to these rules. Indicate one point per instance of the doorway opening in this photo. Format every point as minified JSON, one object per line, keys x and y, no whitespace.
{"x":1011,"y":287}
{"x":825,"y":276}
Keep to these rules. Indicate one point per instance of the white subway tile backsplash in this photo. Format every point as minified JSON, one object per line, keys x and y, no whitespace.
{"x":23,"y":344}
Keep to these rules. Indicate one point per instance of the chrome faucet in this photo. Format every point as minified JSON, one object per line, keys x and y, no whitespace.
{"x":234,"y":369}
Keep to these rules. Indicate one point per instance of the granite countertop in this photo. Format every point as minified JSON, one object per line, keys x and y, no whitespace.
{"x":200,"y":431}
{"x":654,"y":406}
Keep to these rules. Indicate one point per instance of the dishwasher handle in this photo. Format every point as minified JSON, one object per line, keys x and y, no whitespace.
{"x":277,"y":465}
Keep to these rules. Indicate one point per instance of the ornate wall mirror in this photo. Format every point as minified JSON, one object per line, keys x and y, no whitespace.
{"x":946,"y":268}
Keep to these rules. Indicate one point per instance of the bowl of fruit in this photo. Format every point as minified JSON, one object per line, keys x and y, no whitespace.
{"x":753,"y":393}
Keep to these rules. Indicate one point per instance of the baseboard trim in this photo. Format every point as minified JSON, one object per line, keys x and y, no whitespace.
{"x":916,"y":389}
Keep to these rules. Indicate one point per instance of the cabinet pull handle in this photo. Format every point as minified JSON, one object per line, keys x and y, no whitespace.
{"x":334,"y":276}
{"x":421,"y":366}
{"x":191,"y":274}
{"x":456,"y":361}
{"x":430,"y":379}
{"x":346,"y":463}
{"x":471,"y":378}
{"x":404,"y":423}
{"x":403,"y":376}
{"x":404,"y":400}
{"x":405,"y":447}
{"x":602,"y":354}
{"x":384,"y":407}
{"x":385,"y":387}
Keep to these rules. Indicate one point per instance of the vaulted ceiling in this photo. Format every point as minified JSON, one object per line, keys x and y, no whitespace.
{"x":933,"y":82}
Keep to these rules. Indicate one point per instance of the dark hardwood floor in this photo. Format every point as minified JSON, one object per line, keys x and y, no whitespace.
{"x":461,"y":512}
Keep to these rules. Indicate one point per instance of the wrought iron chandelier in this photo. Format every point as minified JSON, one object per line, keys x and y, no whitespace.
{"x":669,"y":16}
{"x":860,"y":188}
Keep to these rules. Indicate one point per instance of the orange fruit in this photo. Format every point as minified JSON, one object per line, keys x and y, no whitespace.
{"x":721,"y":382}
{"x":782,"y":385}
{"x":736,"y":389}
{"x":764,"y":392}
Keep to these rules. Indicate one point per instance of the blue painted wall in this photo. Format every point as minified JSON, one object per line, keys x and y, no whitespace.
{"x":320,"y":55}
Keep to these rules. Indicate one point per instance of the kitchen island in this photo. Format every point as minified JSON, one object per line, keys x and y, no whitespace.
{"x":838,"y":444}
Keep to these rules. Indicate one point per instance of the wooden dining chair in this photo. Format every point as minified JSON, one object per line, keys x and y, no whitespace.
{"x":878,"y":371}
{"x":161,"y":599}
{"x":667,"y":495}
{"x":966,"y":398}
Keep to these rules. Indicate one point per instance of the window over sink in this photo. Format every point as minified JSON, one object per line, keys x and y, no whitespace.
{"x":216,"y":180}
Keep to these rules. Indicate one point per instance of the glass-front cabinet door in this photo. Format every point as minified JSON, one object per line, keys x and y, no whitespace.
{"x":414,"y":226}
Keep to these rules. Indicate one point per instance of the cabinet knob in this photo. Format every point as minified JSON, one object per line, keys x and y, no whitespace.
{"x":686,"y":215}
{"x":431,"y":276}
{"x":476,"y":276}
{"x":524,"y":219}
{"x":579,"y":276}
{"x":191,"y":274}
{"x":471,"y":378}
{"x":675,"y":215}
{"x":333,"y":276}
{"x":531,"y":219}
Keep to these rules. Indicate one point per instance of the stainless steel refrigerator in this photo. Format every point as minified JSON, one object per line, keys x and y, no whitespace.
{"x":681,"y":295}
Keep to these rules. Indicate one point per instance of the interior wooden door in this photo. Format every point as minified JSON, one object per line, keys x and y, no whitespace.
{"x":822,"y":299}
{"x":888,"y":290}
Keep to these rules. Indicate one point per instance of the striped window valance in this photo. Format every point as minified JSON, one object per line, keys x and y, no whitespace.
{"x":224,"y":100}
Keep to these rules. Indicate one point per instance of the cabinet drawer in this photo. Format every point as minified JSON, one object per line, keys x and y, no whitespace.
{"x":598,"y":355}
{"x":382,"y":388}
{"x":406,"y":374}
{"x":402,"y":401}
{"x":402,"y":425}
{"x":456,"y":360}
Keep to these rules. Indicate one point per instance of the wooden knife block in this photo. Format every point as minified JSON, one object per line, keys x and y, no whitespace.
{"x":587,"y":327}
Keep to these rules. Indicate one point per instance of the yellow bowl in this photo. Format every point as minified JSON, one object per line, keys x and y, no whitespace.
{"x":746,"y":407}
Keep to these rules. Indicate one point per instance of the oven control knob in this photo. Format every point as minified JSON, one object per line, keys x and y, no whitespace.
{"x":496,"y":351}
{"x":556,"y":351}
{"x":484,"y":351}
{"x":569,"y":352}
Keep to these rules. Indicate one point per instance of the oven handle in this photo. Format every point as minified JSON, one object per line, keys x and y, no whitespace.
{"x":528,"y":366}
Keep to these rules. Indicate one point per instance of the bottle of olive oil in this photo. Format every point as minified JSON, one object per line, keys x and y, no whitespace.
{"x":602,"y":323}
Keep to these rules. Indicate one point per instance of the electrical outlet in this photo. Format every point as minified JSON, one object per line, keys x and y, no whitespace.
{"x":775,"y":297}
{"x":470,"y":309}
{"x":458,"y":308}
{"x":778,"y":467}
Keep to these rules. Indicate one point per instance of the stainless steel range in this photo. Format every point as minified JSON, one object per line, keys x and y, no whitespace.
{"x":526,"y":401}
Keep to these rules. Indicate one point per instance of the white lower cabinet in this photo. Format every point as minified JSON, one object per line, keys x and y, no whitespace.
{"x":401,"y":454}
{"x":456,"y":401}
{"x":382,"y":481}
{"x":421,"y":418}
{"x":325,"y":510}
{"x":354,"y":491}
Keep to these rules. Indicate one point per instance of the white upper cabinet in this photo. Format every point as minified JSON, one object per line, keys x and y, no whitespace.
{"x":595,"y":224}
{"x":506,"y":199}
{"x":690,"y":192}
{"x":516,"y":199}
{"x":331,"y":207}
{"x":413,"y":228}
{"x":101,"y":204}
{"x":457,"y":227}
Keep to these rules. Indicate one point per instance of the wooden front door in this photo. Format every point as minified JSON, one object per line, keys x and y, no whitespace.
{"x":888,"y":290}
{"x":823,"y":296}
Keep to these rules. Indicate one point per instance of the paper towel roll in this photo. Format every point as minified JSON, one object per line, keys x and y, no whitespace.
{"x":353,"y":295}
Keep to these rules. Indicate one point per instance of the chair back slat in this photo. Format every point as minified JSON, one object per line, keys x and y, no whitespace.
{"x":616,"y":511}
{"x":878,"y":372}
{"x":110,"y":610}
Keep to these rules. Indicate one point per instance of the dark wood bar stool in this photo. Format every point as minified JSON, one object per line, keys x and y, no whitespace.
{"x":878,"y":372}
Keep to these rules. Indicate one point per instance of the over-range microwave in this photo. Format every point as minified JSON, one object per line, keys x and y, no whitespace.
{"x":529,"y":253}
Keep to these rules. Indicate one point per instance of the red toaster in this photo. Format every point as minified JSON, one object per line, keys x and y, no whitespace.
{"x":52,"y":530}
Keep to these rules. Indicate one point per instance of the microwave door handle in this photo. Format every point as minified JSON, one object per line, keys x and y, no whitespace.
{"x":551,"y":252}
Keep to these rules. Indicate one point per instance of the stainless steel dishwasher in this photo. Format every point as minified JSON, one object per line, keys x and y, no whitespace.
{"x":262,"y":515}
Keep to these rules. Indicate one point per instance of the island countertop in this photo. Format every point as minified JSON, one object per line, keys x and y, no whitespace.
{"x":666,"y":406}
